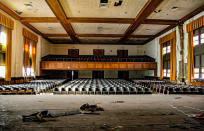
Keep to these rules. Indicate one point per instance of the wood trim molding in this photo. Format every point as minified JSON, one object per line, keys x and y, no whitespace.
{"x":57,"y":9}
{"x":40,"y":19}
{"x":56,"y":35}
{"x":98,"y":35}
{"x":63,"y":65}
{"x":97,"y":20}
{"x":160,"y":22}
{"x":100,"y":20}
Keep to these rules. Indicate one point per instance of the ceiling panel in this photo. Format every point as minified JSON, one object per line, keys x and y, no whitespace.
{"x":90,"y":8}
{"x":49,"y":28}
{"x":29,"y":8}
{"x":98,"y":40}
{"x":175,"y":9}
{"x":99,"y":28}
{"x":148,"y":29}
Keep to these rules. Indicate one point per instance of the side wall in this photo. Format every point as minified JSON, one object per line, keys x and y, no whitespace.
{"x":153,"y":48}
{"x":62,"y":49}
{"x":18,"y":49}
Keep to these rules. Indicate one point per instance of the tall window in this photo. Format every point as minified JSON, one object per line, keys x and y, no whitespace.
{"x":3,"y":40}
{"x":198,"y":43}
{"x":28,"y":71}
{"x":166,"y":59}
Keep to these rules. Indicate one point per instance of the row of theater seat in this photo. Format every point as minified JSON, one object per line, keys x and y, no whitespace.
{"x":170,"y":88}
{"x":91,"y":58}
{"x":32,"y":87}
{"x":101,"y":86}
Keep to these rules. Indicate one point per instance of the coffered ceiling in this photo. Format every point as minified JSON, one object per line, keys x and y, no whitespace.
{"x":90,"y":21}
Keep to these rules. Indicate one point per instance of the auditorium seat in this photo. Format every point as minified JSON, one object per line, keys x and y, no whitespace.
{"x":101,"y":86}
{"x":32,"y":87}
{"x":91,"y":58}
{"x":169,"y":88}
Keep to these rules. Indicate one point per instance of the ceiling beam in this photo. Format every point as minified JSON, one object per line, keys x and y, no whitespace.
{"x":149,"y":7}
{"x":160,"y":22}
{"x":100,"y":20}
{"x":57,"y":9}
{"x":97,"y":20}
{"x":40,"y":19}
{"x":55,"y":42}
{"x":56,"y":35}
{"x":77,"y":20}
{"x":140,"y":36}
{"x":98,"y":35}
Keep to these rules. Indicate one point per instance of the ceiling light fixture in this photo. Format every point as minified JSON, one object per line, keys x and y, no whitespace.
{"x":18,"y":12}
{"x":174,"y":7}
{"x":49,"y":28}
{"x":157,"y":11}
{"x":29,"y":6}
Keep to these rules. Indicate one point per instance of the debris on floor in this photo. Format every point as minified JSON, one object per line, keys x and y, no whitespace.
{"x":178,"y":97}
{"x":37,"y":117}
{"x":47,"y":116}
{"x":91,"y":108}
{"x":118,"y":102}
{"x":110,"y":128}
{"x":197,"y":116}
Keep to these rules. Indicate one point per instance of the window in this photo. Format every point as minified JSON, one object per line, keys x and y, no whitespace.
{"x":3,"y":40}
{"x":198,"y":43}
{"x":166,"y":59}
{"x":28,"y":72}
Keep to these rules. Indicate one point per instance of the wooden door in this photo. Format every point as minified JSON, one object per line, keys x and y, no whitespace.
{"x":98,"y":52}
{"x":73,"y":52}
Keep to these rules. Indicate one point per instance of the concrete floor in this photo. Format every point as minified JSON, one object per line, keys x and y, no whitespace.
{"x":138,"y":112}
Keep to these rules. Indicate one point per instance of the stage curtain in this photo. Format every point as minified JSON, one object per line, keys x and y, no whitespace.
{"x":7,"y":22}
{"x":8,"y":54}
{"x":172,"y":38}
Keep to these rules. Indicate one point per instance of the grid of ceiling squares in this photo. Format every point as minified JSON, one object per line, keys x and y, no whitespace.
{"x":90,"y":8}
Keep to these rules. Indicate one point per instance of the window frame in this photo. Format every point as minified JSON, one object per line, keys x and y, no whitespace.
{"x":198,"y":70}
{"x":166,"y":59}
{"x":3,"y":53}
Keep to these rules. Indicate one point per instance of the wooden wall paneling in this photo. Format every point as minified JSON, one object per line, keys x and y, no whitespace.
{"x":57,"y":65}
